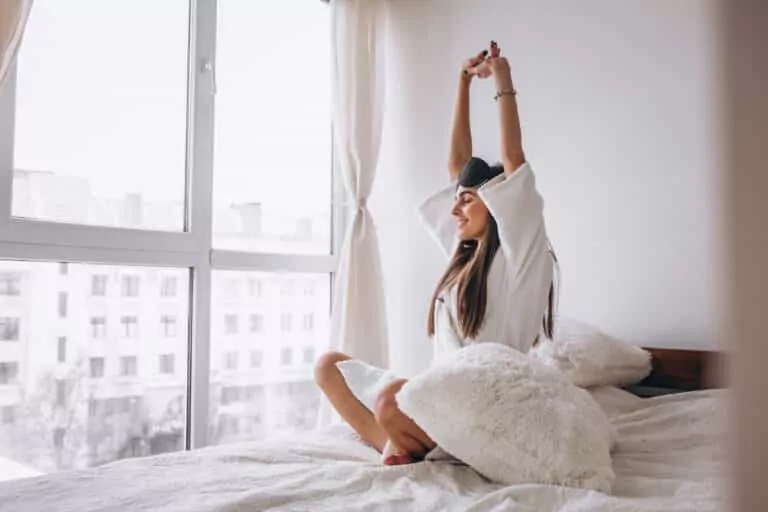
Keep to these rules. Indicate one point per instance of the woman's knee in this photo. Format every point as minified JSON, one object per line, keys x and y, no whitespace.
{"x":326,"y":364}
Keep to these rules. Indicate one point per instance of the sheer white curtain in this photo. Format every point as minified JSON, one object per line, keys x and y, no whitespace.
{"x":13,"y":18}
{"x":359,"y":326}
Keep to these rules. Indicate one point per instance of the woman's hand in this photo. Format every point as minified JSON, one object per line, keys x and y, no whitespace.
{"x":494,"y":65}
{"x":469,"y":67}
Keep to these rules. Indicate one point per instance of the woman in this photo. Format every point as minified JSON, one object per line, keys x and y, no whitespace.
{"x":498,"y":285}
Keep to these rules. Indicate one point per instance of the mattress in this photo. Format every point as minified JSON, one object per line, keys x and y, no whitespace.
{"x":669,"y":455}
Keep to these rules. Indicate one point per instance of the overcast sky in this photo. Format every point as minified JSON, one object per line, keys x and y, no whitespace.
{"x":102,"y":94}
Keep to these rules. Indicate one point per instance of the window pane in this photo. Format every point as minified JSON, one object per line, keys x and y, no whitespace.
{"x":101,"y":113}
{"x":272,"y":158}
{"x":80,"y":373}
{"x":262,"y":376}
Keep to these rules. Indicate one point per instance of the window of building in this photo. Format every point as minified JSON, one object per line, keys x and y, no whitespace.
{"x":129,"y":326}
{"x":286,"y":322}
{"x":168,"y":326}
{"x":286,"y":356}
{"x":257,"y":322}
{"x":309,"y":322}
{"x":10,"y":284}
{"x":97,"y":367}
{"x":7,"y":414}
{"x":9,"y":372}
{"x":128,"y":366}
{"x":61,"y":393}
{"x":98,"y":285}
{"x":168,"y":286}
{"x":61,"y":349}
{"x":9,"y":328}
{"x":167,"y":364}
{"x":230,"y":360}
{"x":130,"y":286}
{"x":230,"y":324}
{"x":98,"y":327}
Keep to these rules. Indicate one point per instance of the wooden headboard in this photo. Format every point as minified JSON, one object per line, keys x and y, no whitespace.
{"x":681,"y":370}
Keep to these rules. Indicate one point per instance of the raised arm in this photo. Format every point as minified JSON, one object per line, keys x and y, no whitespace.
{"x":512,"y":155}
{"x":461,"y":137}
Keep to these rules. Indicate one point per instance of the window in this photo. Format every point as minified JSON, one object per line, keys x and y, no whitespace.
{"x":168,"y":324}
{"x":309,"y":288}
{"x":62,"y":304}
{"x":130,"y":286}
{"x":232,"y":288}
{"x":286,"y":356}
{"x":253,"y":209}
{"x":10,"y":284}
{"x":7,"y":415}
{"x":67,"y":135}
{"x":230,"y":360}
{"x":98,"y":327}
{"x":286,"y":288}
{"x":297,"y":406}
{"x":309,"y":322}
{"x":98,"y":285}
{"x":285,"y":322}
{"x":257,"y":322}
{"x":128,"y":366}
{"x":127,"y":96}
{"x":8,"y":373}
{"x":9,"y":328}
{"x":97,"y":367}
{"x":230,"y":324}
{"x":61,"y":349}
{"x":167,"y":362}
{"x":129,"y":326}
{"x":309,"y":355}
{"x":61,"y":393}
{"x":229,"y":395}
{"x":168,"y":286}
{"x":254,"y":287}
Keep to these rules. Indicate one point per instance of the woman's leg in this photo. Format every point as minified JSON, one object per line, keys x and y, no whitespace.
{"x":409,"y":442}
{"x":357,"y":415}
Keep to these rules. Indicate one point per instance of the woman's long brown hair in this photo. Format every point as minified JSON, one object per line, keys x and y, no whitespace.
{"x":468,"y":270}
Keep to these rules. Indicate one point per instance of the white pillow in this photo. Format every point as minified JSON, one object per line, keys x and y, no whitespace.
{"x":592,"y":358}
{"x":512,"y":419}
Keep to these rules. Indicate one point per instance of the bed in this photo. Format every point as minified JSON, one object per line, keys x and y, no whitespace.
{"x":669,"y":456}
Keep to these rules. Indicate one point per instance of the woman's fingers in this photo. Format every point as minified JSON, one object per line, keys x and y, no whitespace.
{"x":495,"y":50}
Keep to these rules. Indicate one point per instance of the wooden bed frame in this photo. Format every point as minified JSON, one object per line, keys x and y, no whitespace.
{"x":676,"y":370}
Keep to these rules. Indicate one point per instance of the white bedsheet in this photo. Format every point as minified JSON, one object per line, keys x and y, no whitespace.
{"x":669,"y":456}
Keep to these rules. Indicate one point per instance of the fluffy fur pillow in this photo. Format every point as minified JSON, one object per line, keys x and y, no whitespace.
{"x":512,"y":419}
{"x":592,"y":358}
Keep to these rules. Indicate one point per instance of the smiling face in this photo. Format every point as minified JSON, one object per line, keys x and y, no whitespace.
{"x":470,"y":213}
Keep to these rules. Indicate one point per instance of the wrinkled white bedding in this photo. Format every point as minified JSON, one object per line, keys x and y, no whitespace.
{"x":669,"y":456}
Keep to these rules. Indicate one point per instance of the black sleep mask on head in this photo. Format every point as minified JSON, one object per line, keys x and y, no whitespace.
{"x":477,"y":172}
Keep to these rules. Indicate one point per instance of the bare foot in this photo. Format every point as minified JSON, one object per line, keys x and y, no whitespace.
{"x":394,"y":456}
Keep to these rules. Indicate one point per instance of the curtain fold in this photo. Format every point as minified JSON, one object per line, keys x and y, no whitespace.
{"x":358,"y":325}
{"x":13,"y":18}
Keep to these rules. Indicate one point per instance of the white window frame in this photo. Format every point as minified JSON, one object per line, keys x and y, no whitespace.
{"x":37,"y":240}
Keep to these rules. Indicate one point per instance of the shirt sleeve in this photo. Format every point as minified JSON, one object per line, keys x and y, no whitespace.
{"x":519,"y":212}
{"x":435,"y":214}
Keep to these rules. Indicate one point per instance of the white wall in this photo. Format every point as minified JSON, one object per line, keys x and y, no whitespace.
{"x":619,"y":113}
